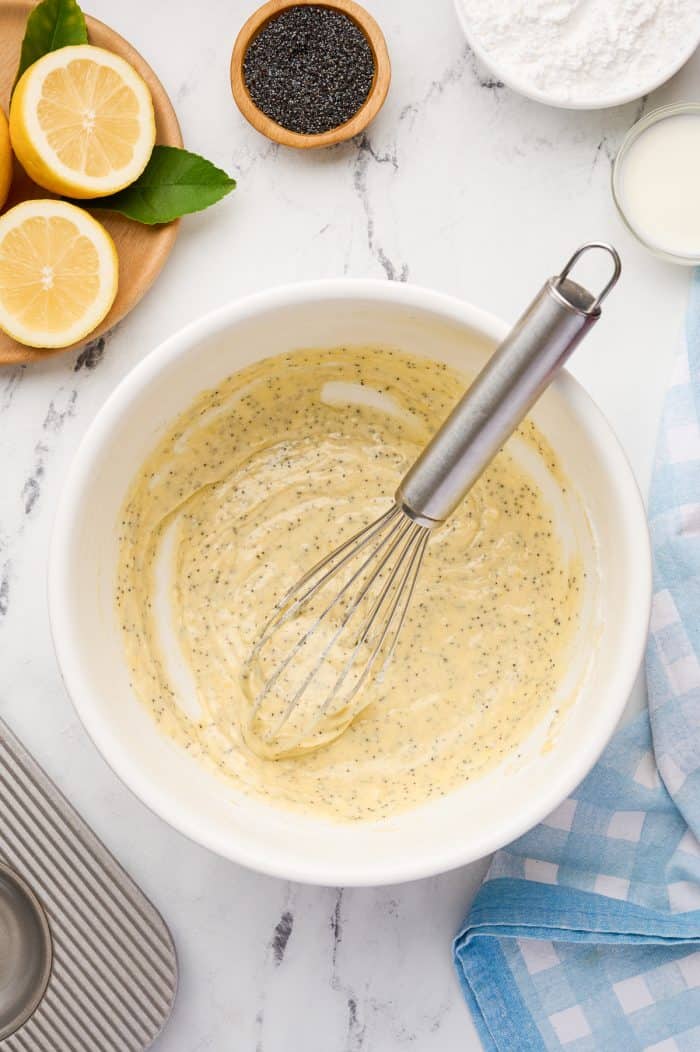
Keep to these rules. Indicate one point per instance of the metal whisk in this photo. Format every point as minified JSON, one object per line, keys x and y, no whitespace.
{"x":339,"y":624}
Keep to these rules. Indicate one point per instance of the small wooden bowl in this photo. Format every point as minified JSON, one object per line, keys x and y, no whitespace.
{"x":358,"y":122}
{"x":142,"y":249}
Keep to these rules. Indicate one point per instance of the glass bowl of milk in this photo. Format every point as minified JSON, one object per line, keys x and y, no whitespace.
{"x":656,"y":182}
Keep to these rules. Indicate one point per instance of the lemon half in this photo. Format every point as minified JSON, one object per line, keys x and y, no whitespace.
{"x":58,"y":273}
{"x":81,"y":122}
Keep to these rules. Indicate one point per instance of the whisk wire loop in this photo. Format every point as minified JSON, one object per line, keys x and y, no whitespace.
{"x":381,"y":563}
{"x":396,"y":535}
{"x":289,"y":605}
{"x":404,"y":591}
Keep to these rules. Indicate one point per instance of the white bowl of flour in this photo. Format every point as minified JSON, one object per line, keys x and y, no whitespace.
{"x":582,"y":54}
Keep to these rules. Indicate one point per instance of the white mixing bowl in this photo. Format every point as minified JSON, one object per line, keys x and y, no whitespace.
{"x":457,"y":829}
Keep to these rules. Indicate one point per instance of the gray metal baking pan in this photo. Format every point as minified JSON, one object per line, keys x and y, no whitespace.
{"x":86,"y":962}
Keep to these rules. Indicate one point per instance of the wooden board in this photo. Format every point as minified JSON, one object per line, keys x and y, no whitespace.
{"x":142,"y":249}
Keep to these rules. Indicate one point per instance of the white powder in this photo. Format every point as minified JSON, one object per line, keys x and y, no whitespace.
{"x":583,"y":51}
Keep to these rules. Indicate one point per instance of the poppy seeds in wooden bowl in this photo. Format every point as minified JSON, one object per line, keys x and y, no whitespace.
{"x":310,"y":69}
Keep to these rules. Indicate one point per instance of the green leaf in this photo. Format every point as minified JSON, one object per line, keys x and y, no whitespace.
{"x":51,"y":25}
{"x":173,"y":183}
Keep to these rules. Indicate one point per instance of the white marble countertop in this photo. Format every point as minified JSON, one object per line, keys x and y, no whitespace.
{"x":459,"y":185}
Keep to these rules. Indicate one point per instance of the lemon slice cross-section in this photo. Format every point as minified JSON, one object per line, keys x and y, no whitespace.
{"x":81,"y":122}
{"x":58,"y":273}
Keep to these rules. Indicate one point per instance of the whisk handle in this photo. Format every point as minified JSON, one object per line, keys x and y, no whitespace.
{"x":503,"y":392}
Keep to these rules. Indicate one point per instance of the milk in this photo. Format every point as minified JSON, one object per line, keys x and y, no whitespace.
{"x":658,"y":185}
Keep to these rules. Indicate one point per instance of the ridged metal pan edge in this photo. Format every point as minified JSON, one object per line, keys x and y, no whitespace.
{"x":114,"y":974}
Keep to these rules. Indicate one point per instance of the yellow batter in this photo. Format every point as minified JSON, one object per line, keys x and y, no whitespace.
{"x":264,"y":475}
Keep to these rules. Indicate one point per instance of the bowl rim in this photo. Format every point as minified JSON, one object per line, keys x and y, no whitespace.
{"x":262,"y":858}
{"x":523,"y":87}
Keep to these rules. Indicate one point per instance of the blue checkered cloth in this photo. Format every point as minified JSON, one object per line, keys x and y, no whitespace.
{"x":585,"y":936}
